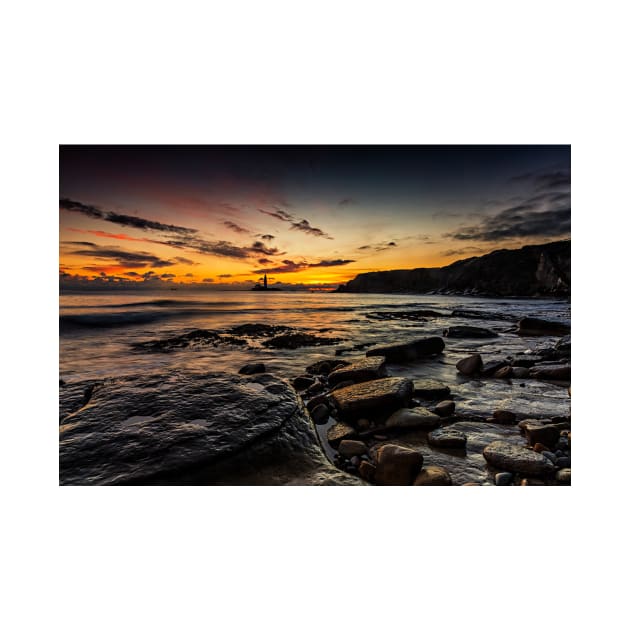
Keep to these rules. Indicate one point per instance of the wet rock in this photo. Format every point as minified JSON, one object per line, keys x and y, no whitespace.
{"x":380,"y":437}
{"x":563,"y":346}
{"x":430,"y":390}
{"x":433,"y":476}
{"x":503,"y":416}
{"x":325,"y":366}
{"x":491,"y":367}
{"x":355,"y":461}
{"x":471,"y":332}
{"x":504,"y":372}
{"x":315,"y":388}
{"x":445,"y":408}
{"x":503,"y":479}
{"x":396,"y":465}
{"x":470,"y":365}
{"x":520,"y":372}
{"x":550,"y":456}
{"x":539,"y":448}
{"x":338,"y":432}
{"x":532,"y":482}
{"x":373,"y":397}
{"x":302,"y":382}
{"x":363,"y":424}
{"x":534,"y":327}
{"x":551,"y":373}
{"x":320,"y":414}
{"x":259,"y":330}
{"x":546,"y":434}
{"x":367,"y":471}
{"x":181,"y":428}
{"x":418,"y":418}
{"x":447,"y":438}
{"x":252,"y":368}
{"x":404,"y":352}
{"x":322,"y":399}
{"x":563,"y":476}
{"x":563,"y":462}
{"x":350,"y":448}
{"x":295,"y":340}
{"x":360,"y":371}
{"x":518,"y":459}
{"x":194,"y":338}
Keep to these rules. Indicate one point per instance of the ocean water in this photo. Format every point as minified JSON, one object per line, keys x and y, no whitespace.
{"x":97,"y":332}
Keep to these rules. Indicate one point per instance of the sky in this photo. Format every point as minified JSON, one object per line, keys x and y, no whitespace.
{"x":220,"y":217}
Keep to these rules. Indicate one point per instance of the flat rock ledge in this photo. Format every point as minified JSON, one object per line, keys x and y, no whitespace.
{"x":518,"y":459}
{"x":401,"y":353}
{"x":183,"y":429}
{"x":367,"y":369}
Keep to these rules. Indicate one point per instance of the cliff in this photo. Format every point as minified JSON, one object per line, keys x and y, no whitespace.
{"x":534,"y":270}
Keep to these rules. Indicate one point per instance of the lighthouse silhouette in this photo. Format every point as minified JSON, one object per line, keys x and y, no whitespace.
{"x":265,"y":281}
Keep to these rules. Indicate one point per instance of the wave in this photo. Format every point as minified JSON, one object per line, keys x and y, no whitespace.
{"x":160,"y":303}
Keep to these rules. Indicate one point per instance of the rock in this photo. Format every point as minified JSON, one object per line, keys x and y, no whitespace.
{"x":320,"y":414}
{"x":302,"y":382}
{"x":185,"y":428}
{"x":563,"y":462}
{"x":363,"y":424}
{"x":430,"y":390}
{"x":504,"y":372}
{"x":252,"y":368}
{"x":447,"y":438}
{"x":563,"y":346}
{"x":516,"y":459}
{"x":520,"y":372}
{"x":259,"y":330}
{"x":503,"y":416}
{"x":373,"y":397}
{"x":445,"y":408}
{"x":367,"y":471}
{"x":355,"y":461}
{"x":470,"y":365}
{"x":474,"y":332}
{"x":295,"y":340}
{"x":539,"y":448}
{"x":326,"y":366}
{"x":338,"y":432}
{"x":417,"y":418}
{"x":433,"y":476}
{"x":563,"y":476}
{"x":322,"y":399}
{"x":550,"y":456}
{"x":551,"y":373}
{"x":534,"y":327}
{"x":401,"y":353}
{"x":532,"y":482}
{"x":360,"y":371}
{"x":350,"y":448}
{"x":315,"y":388}
{"x":396,"y":465}
{"x":546,"y":434}
{"x":380,"y":437}
{"x":491,"y":367}
{"x":342,"y":385}
{"x":503,"y":479}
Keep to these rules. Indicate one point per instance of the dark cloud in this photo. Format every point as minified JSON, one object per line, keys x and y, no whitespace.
{"x":168,"y":275}
{"x":296,"y":224}
{"x":215,"y":248}
{"x":264,"y":261}
{"x":289,"y":266}
{"x":280,"y":214}
{"x":379,"y":247}
{"x":463,"y":250}
{"x":267,"y":237}
{"x":79,"y":243}
{"x":123,"y":257}
{"x":546,"y":179}
{"x":513,"y":223}
{"x":123,"y":219}
{"x":133,"y":274}
{"x":185,"y":261}
{"x":225,"y":275}
{"x":258,"y":247}
{"x":347,"y":201}
{"x":237,"y":228}
{"x":189,"y":275}
{"x":208,"y":280}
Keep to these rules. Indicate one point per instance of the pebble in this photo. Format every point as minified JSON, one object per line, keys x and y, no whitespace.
{"x":350,"y":448}
{"x":355,"y":461}
{"x":564,"y":462}
{"x":445,"y":408}
{"x":503,"y":416}
{"x":320,"y":414}
{"x":549,"y":455}
{"x":302,"y":382}
{"x":503,"y":479}
{"x":564,"y":476}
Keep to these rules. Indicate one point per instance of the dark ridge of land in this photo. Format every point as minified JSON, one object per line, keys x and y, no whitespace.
{"x":533,"y":270}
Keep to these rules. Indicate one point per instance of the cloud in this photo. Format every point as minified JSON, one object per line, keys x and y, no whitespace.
{"x":237,"y":228}
{"x":559,"y":178}
{"x":133,"y":274}
{"x":185,"y":261}
{"x":71,"y":205}
{"x":189,"y":275}
{"x":515,"y":223}
{"x":120,"y":237}
{"x":168,"y":275}
{"x":208,"y":280}
{"x":267,"y":237}
{"x":289,"y":266}
{"x":379,"y":247}
{"x":225,"y":275}
{"x":296,"y":224}
{"x":122,"y":257}
{"x":463,"y":250}
{"x":347,"y":201}
{"x":264,"y":261}
{"x":258,"y":247}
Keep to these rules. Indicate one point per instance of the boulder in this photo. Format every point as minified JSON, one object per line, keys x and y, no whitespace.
{"x":396,"y":465}
{"x":350,"y":448}
{"x":360,"y":371}
{"x":504,"y":372}
{"x":314,"y":388}
{"x":430,"y":390}
{"x":551,"y":372}
{"x":491,"y":367}
{"x":373,"y":397}
{"x":320,"y":414}
{"x":403,"y":352}
{"x":338,"y":432}
{"x":302,"y":382}
{"x":433,"y":476}
{"x":470,"y":332}
{"x":517,"y":459}
{"x":470,"y":365}
{"x":252,"y":368}
{"x":546,"y":434}
{"x":534,"y":327}
{"x":367,"y":471}
{"x":325,"y":366}
{"x":520,"y":372}
{"x":322,"y":399}
{"x":447,"y":438}
{"x":185,"y":428}
{"x":416,"y":418}
{"x":445,"y":408}
{"x":563,"y":346}
{"x":503,"y":416}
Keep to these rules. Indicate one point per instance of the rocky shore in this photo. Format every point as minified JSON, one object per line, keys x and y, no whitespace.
{"x":363,"y":421}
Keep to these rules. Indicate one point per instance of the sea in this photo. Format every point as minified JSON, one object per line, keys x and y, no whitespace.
{"x":98,"y":333}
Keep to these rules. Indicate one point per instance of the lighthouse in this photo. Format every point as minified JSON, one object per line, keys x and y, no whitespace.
{"x":265,"y":281}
